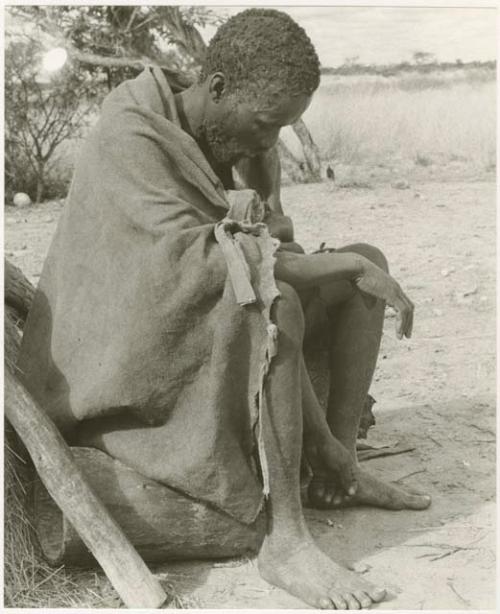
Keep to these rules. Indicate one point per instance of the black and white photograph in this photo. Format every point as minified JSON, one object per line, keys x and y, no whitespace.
{"x":250,"y":306}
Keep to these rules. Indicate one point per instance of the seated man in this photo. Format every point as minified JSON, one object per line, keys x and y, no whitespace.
{"x":140,"y":342}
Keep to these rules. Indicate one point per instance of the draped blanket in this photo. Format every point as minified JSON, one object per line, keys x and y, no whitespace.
{"x":136,"y":343}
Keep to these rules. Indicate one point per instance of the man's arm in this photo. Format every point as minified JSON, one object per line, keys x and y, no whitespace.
{"x":305,"y":271}
{"x":263,"y":174}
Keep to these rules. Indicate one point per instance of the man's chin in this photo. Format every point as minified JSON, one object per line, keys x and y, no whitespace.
{"x":230,"y":159}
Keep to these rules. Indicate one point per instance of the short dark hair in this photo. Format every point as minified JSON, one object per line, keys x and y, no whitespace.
{"x":261,"y":49}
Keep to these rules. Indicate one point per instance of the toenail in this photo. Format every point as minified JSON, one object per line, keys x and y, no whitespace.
{"x":325,"y":604}
{"x":353,"y":604}
{"x":364,"y":600}
{"x":378,"y":594}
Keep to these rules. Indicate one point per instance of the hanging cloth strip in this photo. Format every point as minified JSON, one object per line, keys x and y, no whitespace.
{"x":252,"y":284}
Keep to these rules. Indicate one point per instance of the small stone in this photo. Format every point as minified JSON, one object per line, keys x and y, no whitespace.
{"x":47,"y":219}
{"x":21,"y":200}
{"x":437,"y":312}
{"x":446,"y":272}
{"x":483,"y":299}
{"x":401,"y":184}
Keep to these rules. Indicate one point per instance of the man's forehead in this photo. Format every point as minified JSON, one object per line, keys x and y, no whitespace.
{"x":281,"y":110}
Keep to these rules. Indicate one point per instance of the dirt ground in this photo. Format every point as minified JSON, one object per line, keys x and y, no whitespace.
{"x":435,"y":392}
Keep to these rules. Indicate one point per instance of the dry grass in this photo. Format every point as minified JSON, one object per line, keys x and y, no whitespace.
{"x":423,"y":118}
{"x":29,"y":582}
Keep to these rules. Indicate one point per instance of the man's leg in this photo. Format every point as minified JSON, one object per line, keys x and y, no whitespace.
{"x":357,"y":324}
{"x":289,"y":558}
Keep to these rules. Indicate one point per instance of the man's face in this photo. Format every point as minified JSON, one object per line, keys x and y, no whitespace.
{"x":237,"y":128}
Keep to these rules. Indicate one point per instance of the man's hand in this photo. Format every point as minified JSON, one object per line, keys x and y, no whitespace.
{"x":376,"y":282}
{"x":280,"y":226}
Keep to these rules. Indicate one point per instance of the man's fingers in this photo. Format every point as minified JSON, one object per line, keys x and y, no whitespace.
{"x":410,"y":322}
{"x":399,"y":324}
{"x":404,"y":311}
{"x":409,"y":317}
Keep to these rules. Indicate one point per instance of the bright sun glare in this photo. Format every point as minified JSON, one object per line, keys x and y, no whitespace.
{"x":55,"y":59}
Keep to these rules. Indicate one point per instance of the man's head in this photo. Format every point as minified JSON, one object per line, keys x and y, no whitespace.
{"x":260,"y":72}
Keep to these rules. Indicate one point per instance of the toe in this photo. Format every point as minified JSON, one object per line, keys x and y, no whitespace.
{"x":363,"y":599}
{"x":352,"y":602}
{"x":319,"y":491}
{"x":338,"y":601}
{"x":419,"y":502}
{"x":324,"y":603}
{"x":377,"y":594}
{"x":316,"y":493}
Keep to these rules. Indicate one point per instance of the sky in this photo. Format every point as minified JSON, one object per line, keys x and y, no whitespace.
{"x":380,"y":35}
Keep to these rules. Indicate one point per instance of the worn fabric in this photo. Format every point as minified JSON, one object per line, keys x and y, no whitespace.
{"x":136,"y":343}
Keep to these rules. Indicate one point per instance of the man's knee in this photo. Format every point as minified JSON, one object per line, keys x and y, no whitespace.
{"x":374,"y":254}
{"x":289,"y":317}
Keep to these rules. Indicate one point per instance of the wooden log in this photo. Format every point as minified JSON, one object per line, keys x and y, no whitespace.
{"x":295,"y":169}
{"x":19,"y":292}
{"x":161,"y":523}
{"x":54,"y":462}
{"x":310,"y":149}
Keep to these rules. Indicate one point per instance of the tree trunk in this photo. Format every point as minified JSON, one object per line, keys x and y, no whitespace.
{"x":40,"y":183}
{"x":295,"y":170}
{"x":161,"y":523}
{"x":311,"y":151}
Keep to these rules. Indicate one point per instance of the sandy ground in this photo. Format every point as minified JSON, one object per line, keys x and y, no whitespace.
{"x":435,"y":391}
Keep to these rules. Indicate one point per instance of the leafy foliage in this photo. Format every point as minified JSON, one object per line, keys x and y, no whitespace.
{"x":39,"y":115}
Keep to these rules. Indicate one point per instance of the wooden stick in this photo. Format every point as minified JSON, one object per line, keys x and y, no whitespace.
{"x":18,"y":290}
{"x":127,"y":572}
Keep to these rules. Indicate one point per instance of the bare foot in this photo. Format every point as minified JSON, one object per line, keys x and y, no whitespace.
{"x":304,"y":571}
{"x":325,"y":493}
{"x":331,"y":459}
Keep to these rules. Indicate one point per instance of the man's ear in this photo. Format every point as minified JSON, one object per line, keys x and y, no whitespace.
{"x":217,"y":86}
